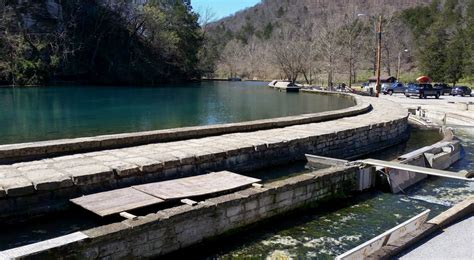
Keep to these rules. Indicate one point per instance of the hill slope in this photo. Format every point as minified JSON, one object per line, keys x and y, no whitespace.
{"x":303,"y":11}
{"x":253,"y":31}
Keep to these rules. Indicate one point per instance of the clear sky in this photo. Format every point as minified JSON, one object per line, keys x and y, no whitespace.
{"x":222,"y":8}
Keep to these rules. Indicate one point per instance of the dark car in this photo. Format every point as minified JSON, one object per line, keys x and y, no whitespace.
{"x":446,"y":89}
{"x":461,"y":90}
{"x":393,"y":88}
{"x":422,"y":91}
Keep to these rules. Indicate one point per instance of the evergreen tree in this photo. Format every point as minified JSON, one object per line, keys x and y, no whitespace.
{"x":433,"y":55}
{"x":469,"y":54}
{"x":450,"y":13}
{"x":445,"y":53}
{"x":455,"y":58}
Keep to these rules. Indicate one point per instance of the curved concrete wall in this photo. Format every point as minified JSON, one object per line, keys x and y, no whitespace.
{"x":46,"y":149}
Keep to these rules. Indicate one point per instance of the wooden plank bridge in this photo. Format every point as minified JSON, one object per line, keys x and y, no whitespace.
{"x":121,"y":200}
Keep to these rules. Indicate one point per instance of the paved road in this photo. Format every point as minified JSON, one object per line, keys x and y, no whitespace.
{"x":454,"y":242}
{"x":438,"y":108}
{"x":445,"y":99}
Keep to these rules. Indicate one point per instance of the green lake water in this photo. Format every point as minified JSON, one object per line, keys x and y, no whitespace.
{"x":45,"y":113}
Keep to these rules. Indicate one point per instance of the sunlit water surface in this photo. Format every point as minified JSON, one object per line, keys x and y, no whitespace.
{"x":44,"y":113}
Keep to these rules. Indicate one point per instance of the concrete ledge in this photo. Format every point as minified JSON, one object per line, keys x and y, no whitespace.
{"x":39,"y":247}
{"x":444,"y":219}
{"x":45,"y":149}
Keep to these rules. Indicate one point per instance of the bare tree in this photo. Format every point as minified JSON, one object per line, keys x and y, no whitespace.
{"x":290,"y":53}
{"x":206,"y":16}
{"x":231,"y":57}
{"x":351,"y":42}
{"x":327,"y":47}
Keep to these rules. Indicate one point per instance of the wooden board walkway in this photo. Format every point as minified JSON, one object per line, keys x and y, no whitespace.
{"x":417,"y":169}
{"x":196,"y":186}
{"x":116,"y":201}
{"x":120,"y":200}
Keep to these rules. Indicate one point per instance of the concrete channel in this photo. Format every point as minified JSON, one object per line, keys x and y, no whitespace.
{"x":42,"y":186}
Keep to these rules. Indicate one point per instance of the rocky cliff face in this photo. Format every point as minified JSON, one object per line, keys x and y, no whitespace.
{"x":39,"y":16}
{"x":97,"y":41}
{"x":43,"y":16}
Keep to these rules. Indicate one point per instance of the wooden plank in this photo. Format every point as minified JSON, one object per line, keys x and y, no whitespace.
{"x":127,"y":215}
{"x":115,"y":201}
{"x":366,"y":249}
{"x":417,"y":169}
{"x":325,"y":160}
{"x":197,"y":185}
{"x":24,"y":251}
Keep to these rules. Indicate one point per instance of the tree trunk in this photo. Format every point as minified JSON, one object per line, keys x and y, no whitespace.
{"x":350,"y":72}
{"x":387,"y":65}
{"x":306,"y":78}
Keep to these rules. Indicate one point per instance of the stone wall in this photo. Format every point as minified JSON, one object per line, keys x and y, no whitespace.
{"x":179,"y":227}
{"x":241,"y":157}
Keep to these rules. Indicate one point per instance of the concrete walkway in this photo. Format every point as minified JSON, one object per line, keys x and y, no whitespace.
{"x":454,"y":107}
{"x":454,"y":242}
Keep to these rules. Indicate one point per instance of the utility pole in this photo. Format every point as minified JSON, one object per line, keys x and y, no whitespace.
{"x":398,"y":66}
{"x":379,"y":56}
{"x":311,"y":62}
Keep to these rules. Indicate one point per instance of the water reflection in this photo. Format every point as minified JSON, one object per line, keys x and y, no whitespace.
{"x":32,"y":114}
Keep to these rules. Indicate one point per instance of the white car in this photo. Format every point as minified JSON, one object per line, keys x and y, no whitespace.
{"x":372,"y":86}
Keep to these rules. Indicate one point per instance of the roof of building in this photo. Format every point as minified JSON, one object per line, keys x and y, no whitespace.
{"x":383,"y":78}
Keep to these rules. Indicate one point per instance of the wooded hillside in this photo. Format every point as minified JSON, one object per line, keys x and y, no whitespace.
{"x":325,"y":41}
{"x":100,"y":42}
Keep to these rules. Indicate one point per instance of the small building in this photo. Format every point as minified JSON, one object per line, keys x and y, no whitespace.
{"x":383,"y":79}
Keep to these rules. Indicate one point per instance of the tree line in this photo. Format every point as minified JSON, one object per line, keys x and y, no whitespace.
{"x":103,"y":42}
{"x":325,"y":43}
{"x":443,"y":34}
{"x":316,"y":42}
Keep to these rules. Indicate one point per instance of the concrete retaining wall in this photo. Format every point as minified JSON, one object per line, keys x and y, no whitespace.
{"x":175,"y":228}
{"x":55,"y":191}
{"x":436,"y":224}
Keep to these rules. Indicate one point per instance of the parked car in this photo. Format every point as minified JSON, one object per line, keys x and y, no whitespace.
{"x":461,"y":90}
{"x":422,"y":91}
{"x":446,"y":89}
{"x":393,"y":88}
